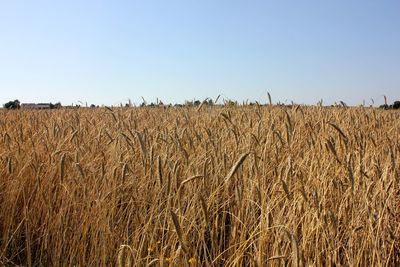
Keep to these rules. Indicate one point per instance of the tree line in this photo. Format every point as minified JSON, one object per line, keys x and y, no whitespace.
{"x":16,"y":104}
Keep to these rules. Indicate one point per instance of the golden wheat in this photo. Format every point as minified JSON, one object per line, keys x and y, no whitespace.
{"x":206,"y":186}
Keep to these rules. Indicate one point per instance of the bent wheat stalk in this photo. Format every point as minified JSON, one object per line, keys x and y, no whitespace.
{"x":236,"y":166}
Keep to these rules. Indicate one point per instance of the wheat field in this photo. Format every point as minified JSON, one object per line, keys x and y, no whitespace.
{"x":200,"y":186}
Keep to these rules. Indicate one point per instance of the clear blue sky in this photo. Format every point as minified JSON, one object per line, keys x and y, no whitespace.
{"x":105,"y":52}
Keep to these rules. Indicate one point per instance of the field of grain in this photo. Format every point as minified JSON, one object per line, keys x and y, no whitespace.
{"x":208,"y":186}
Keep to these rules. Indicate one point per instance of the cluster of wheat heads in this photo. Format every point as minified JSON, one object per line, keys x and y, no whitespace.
{"x":216,"y":186}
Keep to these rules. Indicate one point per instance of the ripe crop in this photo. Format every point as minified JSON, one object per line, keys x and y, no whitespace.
{"x":208,"y":186}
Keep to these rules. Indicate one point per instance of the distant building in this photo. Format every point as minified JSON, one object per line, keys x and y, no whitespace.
{"x":44,"y":105}
{"x":36,"y":106}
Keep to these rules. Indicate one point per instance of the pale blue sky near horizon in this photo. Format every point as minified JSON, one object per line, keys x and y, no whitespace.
{"x":106,"y":52}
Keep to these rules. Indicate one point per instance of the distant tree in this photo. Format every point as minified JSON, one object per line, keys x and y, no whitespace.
{"x":395,"y":105}
{"x":55,"y":106}
{"x":384,"y":106}
{"x":230,"y":103}
{"x":12,"y":104}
